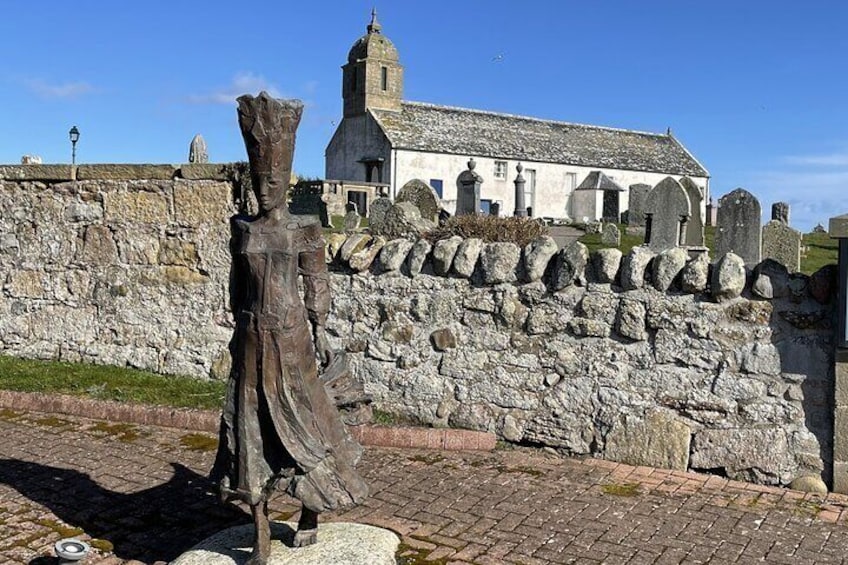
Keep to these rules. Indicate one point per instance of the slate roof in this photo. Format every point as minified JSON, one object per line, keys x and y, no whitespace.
{"x":460,"y":131}
{"x":596,"y":180}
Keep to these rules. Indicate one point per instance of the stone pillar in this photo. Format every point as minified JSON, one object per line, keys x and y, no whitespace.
{"x":839,"y":230}
{"x":520,"y":207}
{"x":468,"y":191}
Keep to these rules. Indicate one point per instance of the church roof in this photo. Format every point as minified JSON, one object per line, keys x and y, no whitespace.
{"x":460,"y":131}
{"x":596,"y":180}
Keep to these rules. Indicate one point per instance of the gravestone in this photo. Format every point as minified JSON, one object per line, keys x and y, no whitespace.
{"x":352,"y":218}
{"x":783,"y":244}
{"x":780,"y":212}
{"x":495,"y":209}
{"x":611,"y":235}
{"x":711,"y":212}
{"x":666,"y":213}
{"x":468,"y":190}
{"x":197,"y":152}
{"x":636,"y":208}
{"x":695,"y":225}
{"x":377,"y":214}
{"x":739,"y":226}
{"x":422,"y":196}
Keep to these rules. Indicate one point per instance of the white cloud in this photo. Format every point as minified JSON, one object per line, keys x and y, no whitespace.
{"x":242,"y":83}
{"x":63,"y":90}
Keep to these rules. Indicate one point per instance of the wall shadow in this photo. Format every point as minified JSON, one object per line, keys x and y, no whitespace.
{"x":155,"y":524}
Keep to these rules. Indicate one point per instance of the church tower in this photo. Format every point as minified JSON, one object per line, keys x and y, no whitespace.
{"x":373,"y":76}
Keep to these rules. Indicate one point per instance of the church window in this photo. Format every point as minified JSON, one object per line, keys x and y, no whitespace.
{"x":500,"y":170}
{"x":437,"y":186}
{"x":384,"y":78}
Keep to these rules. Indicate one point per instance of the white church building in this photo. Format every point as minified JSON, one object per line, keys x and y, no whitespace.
{"x":571,"y":170}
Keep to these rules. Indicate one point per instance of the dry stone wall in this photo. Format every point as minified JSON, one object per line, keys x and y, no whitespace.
{"x":656,"y":359}
{"x":116,"y":271}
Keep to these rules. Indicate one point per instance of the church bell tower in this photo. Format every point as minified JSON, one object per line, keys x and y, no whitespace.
{"x":373,"y":75}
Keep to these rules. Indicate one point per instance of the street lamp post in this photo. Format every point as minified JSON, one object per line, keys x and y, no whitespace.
{"x":74,"y":135}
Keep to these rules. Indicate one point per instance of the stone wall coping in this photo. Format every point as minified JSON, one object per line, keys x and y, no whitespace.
{"x":207,"y":421}
{"x":117,"y":171}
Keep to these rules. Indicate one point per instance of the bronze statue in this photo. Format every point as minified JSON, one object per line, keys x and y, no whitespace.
{"x":280,"y":428}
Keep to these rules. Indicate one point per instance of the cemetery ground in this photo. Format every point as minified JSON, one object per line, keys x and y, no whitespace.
{"x":139,"y":493}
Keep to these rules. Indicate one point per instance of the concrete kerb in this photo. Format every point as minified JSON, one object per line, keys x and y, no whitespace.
{"x":207,"y":421}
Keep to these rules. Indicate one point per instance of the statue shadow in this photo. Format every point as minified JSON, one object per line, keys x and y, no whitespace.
{"x":155,"y":524}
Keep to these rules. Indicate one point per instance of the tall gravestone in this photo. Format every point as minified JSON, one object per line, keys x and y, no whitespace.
{"x":422,"y":196}
{"x":468,"y":190}
{"x":611,"y":235}
{"x":197,"y":152}
{"x":666,"y":214}
{"x":783,"y":244}
{"x":780,"y":212}
{"x":352,"y":218}
{"x":636,"y":208}
{"x":695,"y":225}
{"x":739,"y":226}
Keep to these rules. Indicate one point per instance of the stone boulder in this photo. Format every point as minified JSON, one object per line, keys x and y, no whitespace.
{"x":364,"y":258}
{"x":444,"y":251}
{"x":403,"y":219}
{"x":667,"y":266}
{"x":695,"y":275}
{"x":394,"y":254}
{"x":467,"y":254}
{"x":537,"y":256}
{"x":355,"y":243}
{"x":634,"y":267}
{"x":823,"y":283}
{"x":498,"y":262}
{"x":569,"y":265}
{"x":728,"y":279}
{"x":771,"y":280}
{"x":605,"y":265}
{"x":418,"y":256}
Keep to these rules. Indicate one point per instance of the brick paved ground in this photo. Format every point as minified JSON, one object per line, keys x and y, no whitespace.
{"x":142,"y":492}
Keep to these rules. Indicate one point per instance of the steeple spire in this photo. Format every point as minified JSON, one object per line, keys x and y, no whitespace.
{"x":374,"y":26}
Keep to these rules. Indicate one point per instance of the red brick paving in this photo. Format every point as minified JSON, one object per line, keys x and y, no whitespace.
{"x":142,"y":492}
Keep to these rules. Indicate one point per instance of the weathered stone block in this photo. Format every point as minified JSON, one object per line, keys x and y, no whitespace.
{"x":126,"y":172}
{"x":605,"y":265}
{"x":362,"y":259}
{"x":659,"y":440}
{"x":394,"y":254}
{"x":498,"y":262}
{"x":634,"y":266}
{"x":202,"y":202}
{"x":728,"y":279}
{"x":569,"y":265}
{"x":667,"y":267}
{"x":136,"y":207}
{"x":206,"y":171}
{"x":26,"y":284}
{"x":417,"y":256}
{"x":444,"y":251}
{"x":443,"y":339}
{"x":537,"y":255}
{"x":467,"y":254}
{"x":631,"y":320}
{"x":98,"y":246}
{"x":177,"y":252}
{"x":353,"y":244}
{"x":759,"y":455}
{"x":37,"y":172}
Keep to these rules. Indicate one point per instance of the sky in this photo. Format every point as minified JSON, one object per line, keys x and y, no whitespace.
{"x":756,"y":90}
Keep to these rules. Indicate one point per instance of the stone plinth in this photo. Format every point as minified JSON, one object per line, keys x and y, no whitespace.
{"x":338,"y":543}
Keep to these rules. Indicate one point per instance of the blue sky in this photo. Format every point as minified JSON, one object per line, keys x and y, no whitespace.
{"x":757,"y":90}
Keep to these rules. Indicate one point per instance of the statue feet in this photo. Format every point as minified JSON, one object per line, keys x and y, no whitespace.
{"x":307,"y":528}
{"x":302,"y":538}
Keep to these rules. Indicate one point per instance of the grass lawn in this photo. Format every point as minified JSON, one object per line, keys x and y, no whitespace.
{"x":109,"y":383}
{"x":821,"y":250}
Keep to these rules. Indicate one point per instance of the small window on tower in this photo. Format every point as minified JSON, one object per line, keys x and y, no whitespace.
{"x":384,"y":78}
{"x":353,"y":74}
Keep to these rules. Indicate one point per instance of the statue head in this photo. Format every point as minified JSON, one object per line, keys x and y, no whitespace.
{"x":268,"y":126}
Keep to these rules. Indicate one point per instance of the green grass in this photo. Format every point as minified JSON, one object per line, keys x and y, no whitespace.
{"x":821,"y":249}
{"x":109,"y":383}
{"x":338,"y":224}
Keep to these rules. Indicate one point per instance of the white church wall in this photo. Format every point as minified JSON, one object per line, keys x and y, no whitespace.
{"x":553,"y":197}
